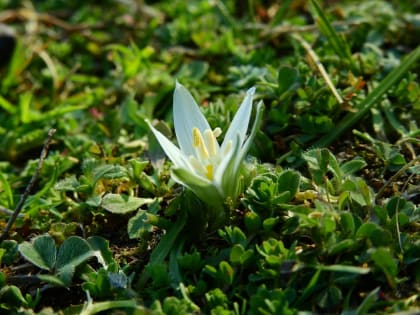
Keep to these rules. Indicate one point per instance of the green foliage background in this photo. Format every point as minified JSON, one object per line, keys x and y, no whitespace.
{"x":328,"y":222}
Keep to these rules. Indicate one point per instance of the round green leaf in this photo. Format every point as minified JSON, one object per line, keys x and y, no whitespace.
{"x":288,"y":180}
{"x":116,"y":203}
{"x":73,"y":252}
{"x":138,"y":225}
{"x":41,"y":252}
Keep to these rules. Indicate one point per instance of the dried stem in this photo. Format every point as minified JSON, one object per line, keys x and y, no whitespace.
{"x":30,"y":186}
{"x":319,"y":65}
{"x":8,"y":211}
{"x":401,"y":171}
{"x":48,"y":19}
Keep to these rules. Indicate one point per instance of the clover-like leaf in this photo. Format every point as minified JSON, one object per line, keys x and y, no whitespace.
{"x":138,"y":225}
{"x":116,"y":203}
{"x":41,"y":252}
{"x":73,"y":252}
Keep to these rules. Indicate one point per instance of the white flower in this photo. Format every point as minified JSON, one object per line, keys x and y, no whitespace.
{"x":201,"y":164}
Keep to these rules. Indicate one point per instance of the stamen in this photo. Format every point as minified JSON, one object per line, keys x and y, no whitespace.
{"x":209,"y":173}
{"x":217,"y":132}
{"x":197,"y":165}
{"x":211,"y":142}
{"x":198,"y":142}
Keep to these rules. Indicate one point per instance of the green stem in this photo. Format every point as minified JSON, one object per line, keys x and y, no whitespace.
{"x":166,"y":244}
{"x":95,"y":308}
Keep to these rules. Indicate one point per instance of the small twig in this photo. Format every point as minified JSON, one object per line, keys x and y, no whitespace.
{"x":48,"y":19}
{"x":395,"y":176}
{"x":30,"y":186}
{"x":8,"y":211}
{"x":273,"y":32}
{"x":319,"y":65}
{"x":397,"y":206}
{"x":50,"y":65}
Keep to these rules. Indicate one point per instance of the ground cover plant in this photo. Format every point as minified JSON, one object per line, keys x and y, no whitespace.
{"x":209,"y":157}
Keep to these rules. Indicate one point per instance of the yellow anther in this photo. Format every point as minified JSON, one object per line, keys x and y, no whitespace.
{"x":217,"y":132}
{"x":211,"y":142}
{"x":196,"y":137}
{"x":209,"y":173}
{"x":198,"y":143}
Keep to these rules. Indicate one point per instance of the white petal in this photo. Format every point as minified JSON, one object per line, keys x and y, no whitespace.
{"x":187,"y":115}
{"x":226,"y":175}
{"x":240,"y":122}
{"x":253,"y":132}
{"x":174,"y":154}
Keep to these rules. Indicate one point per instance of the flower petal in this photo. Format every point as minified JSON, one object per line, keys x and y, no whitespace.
{"x":174,"y":154}
{"x":187,"y":115}
{"x":254,"y":129}
{"x":202,"y":187}
{"x":226,"y":176}
{"x":241,"y":120}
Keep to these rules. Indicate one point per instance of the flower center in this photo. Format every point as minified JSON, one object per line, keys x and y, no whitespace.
{"x":207,"y":156}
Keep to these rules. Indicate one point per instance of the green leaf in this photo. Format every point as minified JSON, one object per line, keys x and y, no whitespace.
{"x":165,"y":245}
{"x":226,"y":271}
{"x":268,"y":224}
{"x":384,"y":260}
{"x":344,"y":268}
{"x":309,"y":288}
{"x":376,"y":234}
{"x":67,"y":184}
{"x":109,"y":172}
{"x":41,"y":252}
{"x":367,"y":302}
{"x":73,"y":252}
{"x":10,"y":252}
{"x":138,"y":225}
{"x":159,"y":273}
{"x":288,"y":79}
{"x":54,"y":280}
{"x":341,"y":246}
{"x":117,"y":203}
{"x":347,"y":222}
{"x":190,"y":262}
{"x":330,"y":297}
{"x":101,"y":248}
{"x":12,"y":295}
{"x":7,"y":106}
{"x":238,"y":255}
{"x":6,"y":189}
{"x":351,"y":167}
{"x":288,"y":181}
{"x":252,"y":222}
{"x":95,"y":308}
{"x":138,"y":166}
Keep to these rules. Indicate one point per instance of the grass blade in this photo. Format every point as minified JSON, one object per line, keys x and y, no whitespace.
{"x":367,"y":302}
{"x":164,"y":247}
{"x":371,"y":100}
{"x":336,"y":41}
